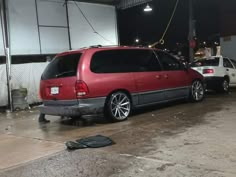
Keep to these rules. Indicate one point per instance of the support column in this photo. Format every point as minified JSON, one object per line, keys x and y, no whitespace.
{"x":191,"y":55}
{"x":6,"y":42}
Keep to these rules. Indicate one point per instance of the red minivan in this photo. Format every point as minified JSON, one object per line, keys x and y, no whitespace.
{"x":115,"y":80}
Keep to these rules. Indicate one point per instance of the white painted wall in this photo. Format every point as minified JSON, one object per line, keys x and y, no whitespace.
{"x":53,"y":26}
{"x":23,"y":27}
{"x":228,"y":48}
{"x":41,"y":27}
{"x":52,"y":12}
{"x":54,"y":40}
{"x":103,"y":19}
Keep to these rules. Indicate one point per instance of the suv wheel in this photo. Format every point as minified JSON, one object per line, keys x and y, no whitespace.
{"x":118,"y":106}
{"x":197,"y":91}
{"x":225,"y":86}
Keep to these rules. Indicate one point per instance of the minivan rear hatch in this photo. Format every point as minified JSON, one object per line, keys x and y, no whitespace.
{"x":59,"y":78}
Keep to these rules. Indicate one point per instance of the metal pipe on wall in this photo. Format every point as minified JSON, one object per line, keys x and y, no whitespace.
{"x":7,"y":49}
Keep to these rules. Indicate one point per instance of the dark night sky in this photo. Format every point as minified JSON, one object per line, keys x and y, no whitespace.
{"x":149,"y":27}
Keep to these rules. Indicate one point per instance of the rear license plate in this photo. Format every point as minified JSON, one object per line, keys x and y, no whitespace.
{"x":54,"y":90}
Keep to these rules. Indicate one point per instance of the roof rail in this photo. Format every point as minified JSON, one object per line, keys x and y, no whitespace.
{"x":95,"y":46}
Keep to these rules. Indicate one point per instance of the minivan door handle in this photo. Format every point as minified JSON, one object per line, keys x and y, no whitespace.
{"x":158,"y":77}
{"x":227,"y":69}
{"x":166,"y":76}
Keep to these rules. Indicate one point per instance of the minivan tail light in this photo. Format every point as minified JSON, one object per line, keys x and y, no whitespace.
{"x":208,"y":71}
{"x":81,"y":89}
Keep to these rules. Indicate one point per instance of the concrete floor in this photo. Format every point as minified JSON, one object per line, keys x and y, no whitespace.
{"x":180,"y":139}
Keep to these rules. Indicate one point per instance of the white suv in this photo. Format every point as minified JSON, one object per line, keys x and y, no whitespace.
{"x":219,"y":72}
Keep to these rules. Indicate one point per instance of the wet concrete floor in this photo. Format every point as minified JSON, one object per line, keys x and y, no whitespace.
{"x":179,"y":139}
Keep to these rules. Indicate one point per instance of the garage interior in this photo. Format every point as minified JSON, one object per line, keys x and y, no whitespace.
{"x":179,"y":139}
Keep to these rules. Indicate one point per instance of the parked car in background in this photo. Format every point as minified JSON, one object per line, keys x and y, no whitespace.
{"x":115,"y":80}
{"x":219,"y":72}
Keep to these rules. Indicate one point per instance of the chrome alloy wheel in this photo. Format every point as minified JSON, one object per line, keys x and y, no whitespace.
{"x":197,"y":90}
{"x":120,"y":106}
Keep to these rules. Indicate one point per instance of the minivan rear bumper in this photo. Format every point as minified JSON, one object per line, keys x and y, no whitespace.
{"x":63,"y":110}
{"x":81,"y":107}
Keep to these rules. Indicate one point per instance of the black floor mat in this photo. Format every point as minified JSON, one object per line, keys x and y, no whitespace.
{"x":89,"y":142}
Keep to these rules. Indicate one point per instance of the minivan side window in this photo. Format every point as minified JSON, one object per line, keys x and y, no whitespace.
{"x":227,"y":63}
{"x":62,"y":66}
{"x":168,"y":62}
{"x":122,"y":61}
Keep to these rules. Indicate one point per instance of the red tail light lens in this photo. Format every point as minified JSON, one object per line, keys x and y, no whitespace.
{"x":81,"y":89}
{"x":208,"y":71}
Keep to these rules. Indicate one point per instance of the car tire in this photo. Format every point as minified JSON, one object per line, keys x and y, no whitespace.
{"x":224,"y":86}
{"x":118,"y":106}
{"x":197,"y":92}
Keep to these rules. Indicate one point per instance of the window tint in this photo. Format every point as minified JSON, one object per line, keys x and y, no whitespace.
{"x":63,"y":66}
{"x":168,"y":62}
{"x":234,"y":62}
{"x":119,"y":61}
{"x":227,"y":63}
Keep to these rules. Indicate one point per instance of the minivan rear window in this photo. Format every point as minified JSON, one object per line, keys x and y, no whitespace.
{"x":62,"y":66}
{"x":206,"y":62}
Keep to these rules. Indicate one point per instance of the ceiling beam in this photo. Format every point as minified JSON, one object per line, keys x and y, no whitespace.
{"x":121,"y":4}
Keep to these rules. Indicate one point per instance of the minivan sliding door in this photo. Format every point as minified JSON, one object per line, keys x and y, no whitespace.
{"x":176,"y":79}
{"x":148,"y":77}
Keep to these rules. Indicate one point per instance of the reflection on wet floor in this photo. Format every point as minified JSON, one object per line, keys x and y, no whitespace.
{"x":84,"y":122}
{"x":153,"y":111}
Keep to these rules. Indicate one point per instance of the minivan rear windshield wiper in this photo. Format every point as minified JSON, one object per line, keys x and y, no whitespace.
{"x":66,"y":73}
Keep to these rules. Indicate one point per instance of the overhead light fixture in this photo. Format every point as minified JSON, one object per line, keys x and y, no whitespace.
{"x":147,"y":8}
{"x":137,"y":40}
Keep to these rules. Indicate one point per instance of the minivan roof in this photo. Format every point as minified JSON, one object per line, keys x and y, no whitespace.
{"x":81,"y":50}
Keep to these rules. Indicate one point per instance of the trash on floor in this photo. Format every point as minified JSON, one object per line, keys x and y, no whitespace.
{"x":89,"y":142}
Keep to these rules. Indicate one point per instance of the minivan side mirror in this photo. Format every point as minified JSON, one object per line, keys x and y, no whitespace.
{"x":185,"y":65}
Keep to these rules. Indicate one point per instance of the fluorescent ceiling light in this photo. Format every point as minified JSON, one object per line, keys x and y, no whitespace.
{"x":147,"y":8}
